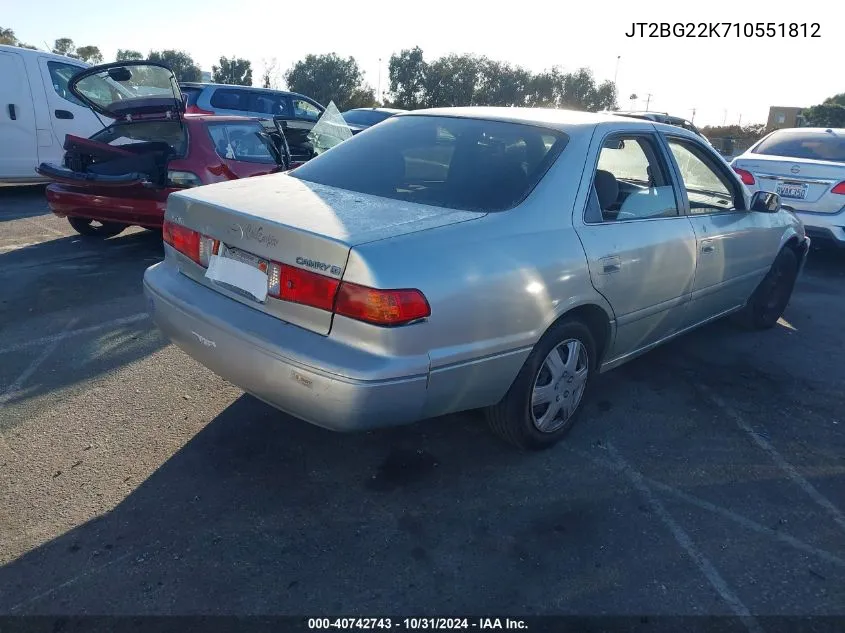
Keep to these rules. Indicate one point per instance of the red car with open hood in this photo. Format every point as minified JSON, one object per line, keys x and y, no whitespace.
{"x":122,"y":175}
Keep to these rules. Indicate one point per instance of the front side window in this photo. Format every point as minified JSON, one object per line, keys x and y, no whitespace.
{"x":459,"y":163}
{"x":303,"y":109}
{"x":630,"y":182}
{"x":241,"y":141}
{"x":60,"y":74}
{"x":708,"y":189}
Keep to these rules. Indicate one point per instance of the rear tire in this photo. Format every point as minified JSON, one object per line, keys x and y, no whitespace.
{"x":544,"y":401}
{"x":95,"y":228}
{"x":771,"y":297}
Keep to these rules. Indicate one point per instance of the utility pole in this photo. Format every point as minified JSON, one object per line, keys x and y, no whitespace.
{"x":692,"y":120}
{"x":740,"y":120}
{"x":380,"y":100}
{"x":648,"y":100}
{"x":616,"y":72}
{"x":725,"y":118}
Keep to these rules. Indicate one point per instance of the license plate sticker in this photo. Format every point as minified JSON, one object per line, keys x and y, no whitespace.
{"x":239,"y":275}
{"x":794,"y":190}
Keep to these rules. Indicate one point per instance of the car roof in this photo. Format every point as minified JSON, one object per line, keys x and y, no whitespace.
{"x":202,"y":84}
{"x":549,"y":117}
{"x":388,"y":110}
{"x":811,"y":130}
{"x":50,"y":56}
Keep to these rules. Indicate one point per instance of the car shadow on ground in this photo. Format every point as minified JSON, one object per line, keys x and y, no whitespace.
{"x":69,"y":284}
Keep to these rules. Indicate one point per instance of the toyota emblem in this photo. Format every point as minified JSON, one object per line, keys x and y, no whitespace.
{"x":795,"y":169}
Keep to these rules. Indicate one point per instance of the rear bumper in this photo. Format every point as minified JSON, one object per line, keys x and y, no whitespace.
{"x":117,"y":204}
{"x":280,"y":363}
{"x":824,"y":228}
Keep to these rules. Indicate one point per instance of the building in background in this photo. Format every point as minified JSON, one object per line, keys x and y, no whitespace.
{"x":206,"y":76}
{"x":782,"y":116}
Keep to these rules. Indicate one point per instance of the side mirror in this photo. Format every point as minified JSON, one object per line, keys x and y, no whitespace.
{"x":765,"y":202}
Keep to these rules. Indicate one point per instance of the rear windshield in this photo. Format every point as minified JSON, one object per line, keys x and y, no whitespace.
{"x":458,"y":163}
{"x":365,"y":117}
{"x":170,"y":132}
{"x":809,"y":145}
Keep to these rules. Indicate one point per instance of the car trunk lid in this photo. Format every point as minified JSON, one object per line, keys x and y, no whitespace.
{"x":311,"y":227}
{"x":130,"y":91}
{"x":796,"y":180}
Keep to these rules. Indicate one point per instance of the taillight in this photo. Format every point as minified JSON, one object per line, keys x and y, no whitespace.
{"x":840,"y":188}
{"x":301,"y":286}
{"x":192,"y":109}
{"x":746,"y":176}
{"x":381,"y":307}
{"x":190,"y":243}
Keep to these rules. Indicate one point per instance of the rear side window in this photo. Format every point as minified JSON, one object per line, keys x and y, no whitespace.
{"x":170,"y":132}
{"x":458,"y":163}
{"x":60,"y":74}
{"x":809,"y":145}
{"x":230,"y":99}
{"x":303,"y":109}
{"x":241,"y":141}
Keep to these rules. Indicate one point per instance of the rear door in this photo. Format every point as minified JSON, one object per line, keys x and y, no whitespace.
{"x":18,"y":144}
{"x":735,"y":247}
{"x":68,"y":115}
{"x":640,"y":247}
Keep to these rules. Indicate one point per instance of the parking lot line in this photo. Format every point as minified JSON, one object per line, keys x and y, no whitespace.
{"x":683,"y":539}
{"x":796,"y":477}
{"x":16,"y":385}
{"x":728,"y":514}
{"x":60,"y":336}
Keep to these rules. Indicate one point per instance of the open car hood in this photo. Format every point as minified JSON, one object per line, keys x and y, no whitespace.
{"x":130,"y":90}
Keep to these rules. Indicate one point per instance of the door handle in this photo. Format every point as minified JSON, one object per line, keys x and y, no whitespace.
{"x":610,"y":265}
{"x":708,"y":247}
{"x":64,"y":114}
{"x":12,"y":113}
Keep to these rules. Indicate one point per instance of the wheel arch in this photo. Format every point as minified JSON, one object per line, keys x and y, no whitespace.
{"x":599,"y":321}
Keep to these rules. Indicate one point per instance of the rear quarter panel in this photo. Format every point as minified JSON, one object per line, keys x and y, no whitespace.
{"x":494,"y":284}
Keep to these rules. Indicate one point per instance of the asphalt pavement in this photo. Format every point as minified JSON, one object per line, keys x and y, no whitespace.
{"x":707,"y":477}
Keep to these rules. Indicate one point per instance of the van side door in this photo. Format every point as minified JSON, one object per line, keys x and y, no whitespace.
{"x":19,"y":153}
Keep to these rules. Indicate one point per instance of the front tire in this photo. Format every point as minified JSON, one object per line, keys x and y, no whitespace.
{"x":95,"y":228}
{"x":771,"y":297}
{"x":543,"y":402}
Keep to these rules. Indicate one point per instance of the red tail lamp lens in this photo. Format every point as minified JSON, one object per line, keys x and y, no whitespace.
{"x":381,"y":307}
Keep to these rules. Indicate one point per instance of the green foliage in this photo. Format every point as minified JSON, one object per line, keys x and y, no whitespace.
{"x":64,"y":46}
{"x":7,"y":36}
{"x":90,"y":54}
{"x":753,"y":131}
{"x":330,"y":78}
{"x":825,"y":115}
{"x":180,"y":62}
{"x":235,"y":71}
{"x":127,"y":55}
{"x":460,"y":80}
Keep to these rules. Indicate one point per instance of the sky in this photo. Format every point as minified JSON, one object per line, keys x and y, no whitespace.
{"x":724,"y":80}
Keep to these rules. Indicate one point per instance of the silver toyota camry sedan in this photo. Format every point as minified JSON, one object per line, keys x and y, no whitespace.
{"x":465,"y":258}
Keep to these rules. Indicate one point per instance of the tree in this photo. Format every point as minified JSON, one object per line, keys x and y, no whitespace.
{"x":501,"y":84}
{"x":326,"y":78}
{"x":7,"y":36}
{"x":127,"y":55}
{"x":180,"y":62}
{"x":825,"y":115}
{"x":407,"y":78}
{"x":64,"y":46}
{"x":452,"y":81}
{"x":268,"y":75}
{"x":236,"y":71}
{"x":90,"y":54}
{"x":362,"y":97}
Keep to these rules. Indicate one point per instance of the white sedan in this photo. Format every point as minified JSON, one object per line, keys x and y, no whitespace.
{"x":806,"y":168}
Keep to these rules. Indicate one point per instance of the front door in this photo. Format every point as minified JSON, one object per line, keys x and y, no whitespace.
{"x":735,"y":246}
{"x":640,"y":247}
{"x":68,"y":115}
{"x":18,"y":144}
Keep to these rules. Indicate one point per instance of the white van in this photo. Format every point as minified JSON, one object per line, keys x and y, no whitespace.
{"x":37,"y":111}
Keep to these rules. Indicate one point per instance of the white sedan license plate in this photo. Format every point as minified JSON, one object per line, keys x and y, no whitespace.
{"x":243,"y":272}
{"x":794,"y":190}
